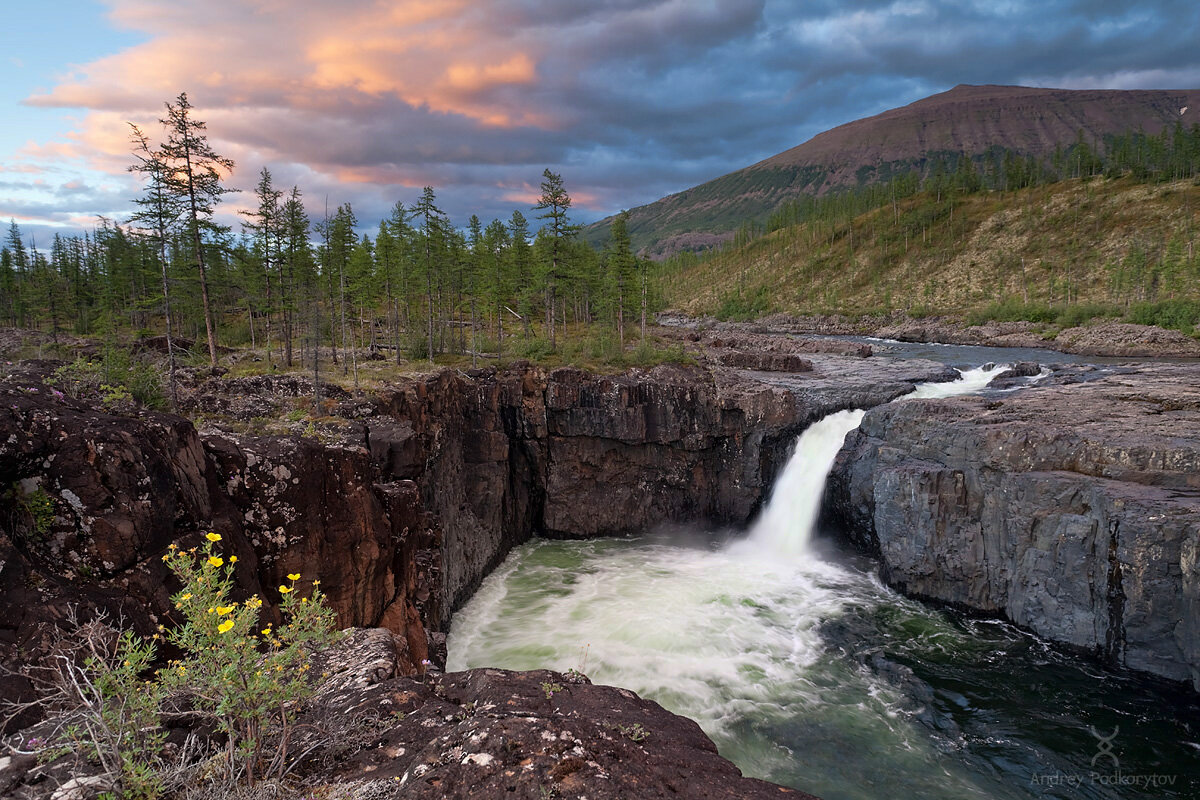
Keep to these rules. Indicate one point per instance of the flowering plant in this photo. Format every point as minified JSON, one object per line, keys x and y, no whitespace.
{"x":248,"y":676}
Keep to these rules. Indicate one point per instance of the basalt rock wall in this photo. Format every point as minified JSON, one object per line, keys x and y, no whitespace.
{"x":400,"y":512}
{"x":1071,"y":510}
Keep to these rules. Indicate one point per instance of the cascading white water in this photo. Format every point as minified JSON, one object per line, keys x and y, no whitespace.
{"x":729,"y":637}
{"x":787,"y":521}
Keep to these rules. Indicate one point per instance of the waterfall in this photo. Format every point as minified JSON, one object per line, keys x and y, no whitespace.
{"x":787,"y":521}
{"x":807,"y":671}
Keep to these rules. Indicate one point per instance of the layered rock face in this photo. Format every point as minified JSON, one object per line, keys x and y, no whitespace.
{"x":1072,"y":510}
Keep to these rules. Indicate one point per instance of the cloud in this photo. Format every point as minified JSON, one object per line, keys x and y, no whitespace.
{"x":366,"y":101}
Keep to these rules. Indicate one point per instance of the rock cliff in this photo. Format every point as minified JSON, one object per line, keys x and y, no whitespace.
{"x":1072,"y":510}
{"x":400,"y":504}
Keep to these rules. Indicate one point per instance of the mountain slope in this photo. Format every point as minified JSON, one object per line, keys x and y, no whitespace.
{"x":1072,"y":243}
{"x":967,"y":119}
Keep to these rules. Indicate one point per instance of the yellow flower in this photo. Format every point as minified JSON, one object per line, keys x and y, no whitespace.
{"x":233,"y":559}
{"x":284,"y":589}
{"x":223,"y":610}
{"x":225,"y":626}
{"x":266,"y":631}
{"x":303,"y":599}
{"x":187,"y":596}
{"x":293,"y":576}
{"x":216,"y":561}
{"x":213,"y":537}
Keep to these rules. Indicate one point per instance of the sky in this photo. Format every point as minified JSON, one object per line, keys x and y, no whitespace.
{"x":367,"y":101}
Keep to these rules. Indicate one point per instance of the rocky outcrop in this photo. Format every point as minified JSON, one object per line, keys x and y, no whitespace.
{"x":399,"y":504}
{"x":94,"y":499}
{"x":371,"y":731}
{"x":494,"y":733}
{"x":1072,"y":510}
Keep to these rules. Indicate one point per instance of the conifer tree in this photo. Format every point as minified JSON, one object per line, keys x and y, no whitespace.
{"x":433,"y":229}
{"x":158,"y":213}
{"x":555,"y":202}
{"x":193,"y":173}
{"x":295,"y":265}
{"x":265,"y":224}
{"x":621,"y":264}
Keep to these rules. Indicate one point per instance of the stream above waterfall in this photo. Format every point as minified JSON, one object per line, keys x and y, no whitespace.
{"x":806,"y":670}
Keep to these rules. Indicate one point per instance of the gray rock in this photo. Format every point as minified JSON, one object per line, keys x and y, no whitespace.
{"x":1071,"y":510}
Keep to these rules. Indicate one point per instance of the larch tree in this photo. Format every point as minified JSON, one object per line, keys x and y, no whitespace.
{"x":19,"y":258}
{"x":520,"y":257}
{"x":158,"y":214}
{"x":194,"y":177}
{"x":433,"y":230}
{"x":265,"y":224}
{"x":621,"y":264}
{"x":295,"y":264}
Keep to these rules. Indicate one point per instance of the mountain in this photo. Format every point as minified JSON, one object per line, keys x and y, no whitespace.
{"x":965,"y":119}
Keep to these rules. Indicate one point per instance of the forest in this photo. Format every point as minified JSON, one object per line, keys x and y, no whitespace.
{"x":318,"y":294}
{"x":304,"y":291}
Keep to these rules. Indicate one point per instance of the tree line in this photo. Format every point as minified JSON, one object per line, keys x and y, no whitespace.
{"x":300,"y":289}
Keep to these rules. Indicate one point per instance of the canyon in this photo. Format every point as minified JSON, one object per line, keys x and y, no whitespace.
{"x":1070,"y":507}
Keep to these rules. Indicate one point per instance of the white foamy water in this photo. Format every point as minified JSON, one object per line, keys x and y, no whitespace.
{"x":730,"y":636}
{"x":786,"y":523}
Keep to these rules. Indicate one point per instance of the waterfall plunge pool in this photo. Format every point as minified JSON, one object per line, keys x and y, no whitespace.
{"x":806,"y":670}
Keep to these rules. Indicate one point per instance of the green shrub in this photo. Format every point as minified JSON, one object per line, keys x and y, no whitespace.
{"x":743,"y":306}
{"x":1076,"y":315}
{"x":246,"y":678}
{"x":116,"y":381}
{"x":241,"y":677}
{"x":1181,"y":315}
{"x":103,"y":711}
{"x":534,"y":349}
{"x":38,"y":506}
{"x":1012,"y":310}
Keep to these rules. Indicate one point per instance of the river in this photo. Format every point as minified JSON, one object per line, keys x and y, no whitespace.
{"x":806,"y":670}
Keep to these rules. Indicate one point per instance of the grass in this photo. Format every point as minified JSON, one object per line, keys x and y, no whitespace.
{"x":1061,"y":254}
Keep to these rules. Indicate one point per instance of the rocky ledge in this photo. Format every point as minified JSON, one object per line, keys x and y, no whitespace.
{"x":374,"y":733}
{"x":1072,"y":510}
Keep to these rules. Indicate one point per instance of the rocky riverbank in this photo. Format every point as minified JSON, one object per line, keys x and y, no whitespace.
{"x":1072,"y":510}
{"x":1107,"y":339}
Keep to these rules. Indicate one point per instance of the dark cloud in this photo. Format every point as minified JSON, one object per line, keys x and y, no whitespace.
{"x":629,"y":99}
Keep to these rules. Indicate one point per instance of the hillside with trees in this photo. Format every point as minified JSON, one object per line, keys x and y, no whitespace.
{"x":1118,"y":241}
{"x":993,"y":126}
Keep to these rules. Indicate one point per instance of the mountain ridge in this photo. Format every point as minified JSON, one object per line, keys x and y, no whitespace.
{"x":967,"y":119}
